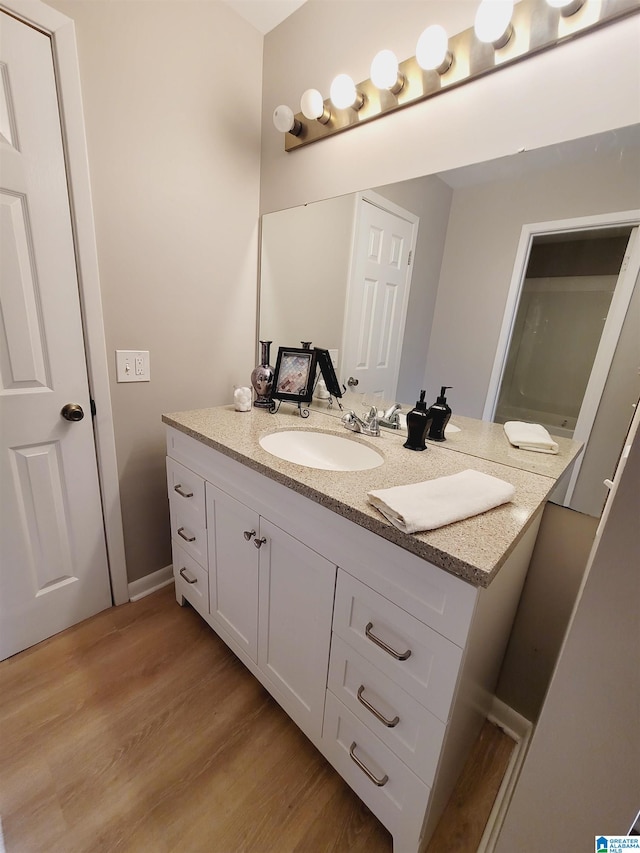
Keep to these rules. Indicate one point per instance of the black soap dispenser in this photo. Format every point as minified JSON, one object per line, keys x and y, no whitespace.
{"x":440,"y":413}
{"x":418,"y":421}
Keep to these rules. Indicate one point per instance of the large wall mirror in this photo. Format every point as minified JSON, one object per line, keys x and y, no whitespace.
{"x":511,"y":268}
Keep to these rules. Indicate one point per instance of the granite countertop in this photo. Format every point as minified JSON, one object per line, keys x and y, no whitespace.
{"x":473,"y":549}
{"x":488,"y":441}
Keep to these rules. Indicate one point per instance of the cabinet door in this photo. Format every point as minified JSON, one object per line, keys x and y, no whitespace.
{"x":296,"y":605}
{"x":233,"y":569}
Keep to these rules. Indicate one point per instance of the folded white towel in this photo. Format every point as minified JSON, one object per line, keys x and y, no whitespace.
{"x":530,"y":437}
{"x":434,"y":503}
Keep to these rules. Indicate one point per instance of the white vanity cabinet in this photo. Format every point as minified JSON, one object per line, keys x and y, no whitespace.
{"x":386,"y":662}
{"x":267,"y":595}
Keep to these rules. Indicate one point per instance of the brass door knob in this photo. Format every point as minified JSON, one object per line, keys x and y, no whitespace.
{"x":72,"y":412}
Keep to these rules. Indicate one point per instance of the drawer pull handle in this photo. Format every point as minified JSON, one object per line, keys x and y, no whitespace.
{"x":185,"y":536}
{"x":183,"y":574}
{"x":182,"y":492}
{"x":249,"y":534}
{"x":365,"y":769}
{"x":383,"y":645}
{"x":389,"y":723}
{"x":259,"y":542}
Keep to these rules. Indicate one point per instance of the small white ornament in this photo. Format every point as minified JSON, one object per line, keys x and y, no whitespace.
{"x":242,"y":399}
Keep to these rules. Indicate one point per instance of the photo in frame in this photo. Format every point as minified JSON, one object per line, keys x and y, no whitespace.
{"x":294,"y":375}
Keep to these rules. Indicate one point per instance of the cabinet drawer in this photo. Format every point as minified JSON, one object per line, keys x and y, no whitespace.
{"x":188,"y":531}
{"x":192,"y":581}
{"x":186,"y":488}
{"x":412,"y":732}
{"x":416,"y":657}
{"x":401,"y":800}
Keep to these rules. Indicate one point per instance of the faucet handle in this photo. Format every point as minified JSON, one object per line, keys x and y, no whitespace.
{"x":392,"y":413}
{"x":373,"y":415}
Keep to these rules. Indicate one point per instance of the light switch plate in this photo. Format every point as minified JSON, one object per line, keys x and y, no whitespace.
{"x":132,"y":366}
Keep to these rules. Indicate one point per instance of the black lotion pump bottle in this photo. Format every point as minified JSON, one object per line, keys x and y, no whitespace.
{"x":440,"y":413}
{"x":418,"y":421}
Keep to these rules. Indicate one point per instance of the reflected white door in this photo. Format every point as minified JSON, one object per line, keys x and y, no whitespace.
{"x":378,"y":295}
{"x":53,"y":564}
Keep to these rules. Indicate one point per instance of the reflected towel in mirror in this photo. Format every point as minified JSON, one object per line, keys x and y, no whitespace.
{"x":530,"y":437}
{"x":435,"y":503}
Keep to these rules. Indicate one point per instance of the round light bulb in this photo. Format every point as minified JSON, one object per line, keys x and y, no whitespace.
{"x":567,"y":7}
{"x":285,"y":121}
{"x":343,"y":92}
{"x":311,"y":104}
{"x":493,"y":22}
{"x":283,"y":118}
{"x":384,"y":70}
{"x":432,"y":50}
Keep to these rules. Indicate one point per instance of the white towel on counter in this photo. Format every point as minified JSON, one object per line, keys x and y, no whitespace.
{"x":434,"y":503}
{"x":530,"y":437}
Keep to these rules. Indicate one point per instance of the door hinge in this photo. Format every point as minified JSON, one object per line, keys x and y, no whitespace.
{"x":93,"y":407}
{"x":409,"y":258}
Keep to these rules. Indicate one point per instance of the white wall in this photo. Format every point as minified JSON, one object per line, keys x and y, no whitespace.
{"x":173,"y":132}
{"x":484,"y":231}
{"x":546,"y":604}
{"x":615,"y":411}
{"x":581,"y":777}
{"x":304,"y":270}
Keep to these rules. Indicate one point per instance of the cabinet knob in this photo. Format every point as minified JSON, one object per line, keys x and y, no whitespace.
{"x":259,"y":542}
{"x":249,"y":534}
{"x":182,"y":492}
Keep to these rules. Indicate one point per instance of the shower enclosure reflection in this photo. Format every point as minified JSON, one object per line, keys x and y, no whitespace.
{"x":564,"y":302}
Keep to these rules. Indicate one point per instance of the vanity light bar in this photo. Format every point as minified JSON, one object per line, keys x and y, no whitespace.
{"x":536,"y":26}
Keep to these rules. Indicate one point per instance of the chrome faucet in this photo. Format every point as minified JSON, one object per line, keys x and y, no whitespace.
{"x":367,"y":426}
{"x":391,"y":418}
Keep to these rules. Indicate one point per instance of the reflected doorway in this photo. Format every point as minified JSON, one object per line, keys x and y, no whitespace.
{"x":571,"y":363}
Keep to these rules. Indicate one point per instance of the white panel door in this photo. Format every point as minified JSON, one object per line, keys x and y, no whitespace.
{"x":53,"y":564}
{"x":380,"y":280}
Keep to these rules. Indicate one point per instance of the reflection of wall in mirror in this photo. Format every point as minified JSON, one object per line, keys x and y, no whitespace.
{"x":304,"y":271}
{"x":482,"y":239}
{"x":430,"y":199}
{"x":316,"y":240}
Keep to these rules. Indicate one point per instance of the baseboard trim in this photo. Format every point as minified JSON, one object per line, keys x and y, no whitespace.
{"x":150,"y":583}
{"x":520,"y":730}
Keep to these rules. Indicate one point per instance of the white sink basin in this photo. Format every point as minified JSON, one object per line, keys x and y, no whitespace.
{"x":321,"y":450}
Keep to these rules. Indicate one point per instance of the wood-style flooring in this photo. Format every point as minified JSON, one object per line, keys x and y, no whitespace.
{"x":138,"y":730}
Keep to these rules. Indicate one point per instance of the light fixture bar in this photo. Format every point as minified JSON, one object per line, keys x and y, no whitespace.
{"x":537,"y":27}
